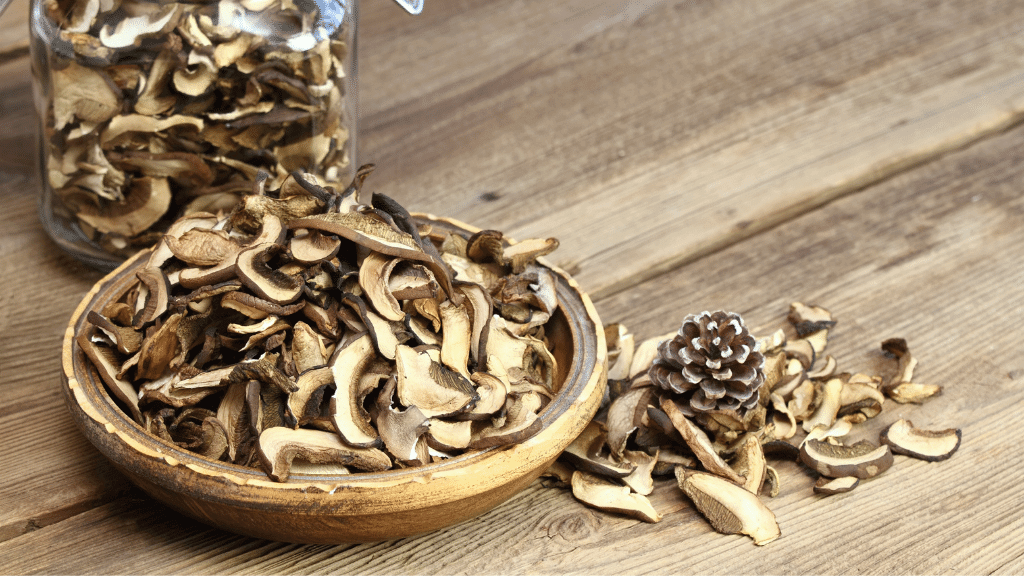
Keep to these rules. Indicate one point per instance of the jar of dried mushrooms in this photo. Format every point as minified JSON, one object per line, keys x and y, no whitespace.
{"x":151,"y":110}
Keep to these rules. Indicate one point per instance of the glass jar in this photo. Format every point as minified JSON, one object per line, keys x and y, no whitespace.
{"x":150,"y":109}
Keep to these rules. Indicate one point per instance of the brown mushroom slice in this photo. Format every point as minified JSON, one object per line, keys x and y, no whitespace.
{"x":199,"y":220}
{"x":202,"y":247}
{"x":127,"y":340}
{"x":772,"y":483}
{"x":401,"y":430}
{"x":371,"y":232}
{"x":449,"y":436}
{"x":863,"y":459}
{"x":521,"y":254}
{"x":255,"y":307}
{"x":130,"y":30}
{"x":278,"y":446}
{"x":825,"y":371}
{"x":146,"y":202}
{"x":906,"y":362}
{"x":913,"y":393}
{"x":930,"y":445}
{"x":83,"y":94}
{"x":313,"y":247}
{"x":604,"y":495}
{"x":750,"y":464}
{"x":801,"y":350}
{"x":311,"y":385}
{"x":825,"y":414}
{"x":801,"y":403}
{"x":520,"y":424}
{"x":584,"y":453}
{"x":523,"y":352}
{"x":409,"y":281}
{"x":729,"y":508}
{"x":808,"y":319}
{"x":350,"y":418}
{"x":155,"y":298}
{"x":625,"y":414}
{"x":492,"y":392}
{"x":255,"y":272}
{"x":374,"y":273}
{"x":640,"y":480}
{"x":699,"y":443}
{"x":621,"y":341}
{"x":104,"y":359}
{"x":829,"y":486}
{"x":458,"y":334}
{"x":856,"y":393}
{"x":783,"y":420}
{"x":434,"y":388}
{"x":818,"y":341}
{"x":307,"y":348}
{"x":158,"y":350}
{"x":232,"y":414}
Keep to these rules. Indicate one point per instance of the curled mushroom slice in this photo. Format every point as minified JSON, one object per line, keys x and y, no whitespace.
{"x":458,"y":333}
{"x":255,"y":272}
{"x":311,"y":386}
{"x":750,"y":464}
{"x":126,"y":339}
{"x":347,"y":412}
{"x":620,"y":350}
{"x":825,"y":415}
{"x":401,"y":430}
{"x":492,"y":392}
{"x":105,"y":362}
{"x":602,"y":494}
{"x":522,"y":352}
{"x":625,"y":415}
{"x":313,"y":247}
{"x":640,"y":480}
{"x":449,"y":436}
{"x":232,"y":414}
{"x":307,"y":348}
{"x":912,"y":392}
{"x":585,"y":453}
{"x":429,"y":385}
{"x":374,"y":274}
{"x":201,"y":247}
{"x":862,"y":460}
{"x":729,"y":508}
{"x":519,"y":423}
{"x":829,"y":486}
{"x":278,"y":446}
{"x":809,"y":319}
{"x":929,"y":445}
{"x":156,"y":296}
{"x":699,"y":443}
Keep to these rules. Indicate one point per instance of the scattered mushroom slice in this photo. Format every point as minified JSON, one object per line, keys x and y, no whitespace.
{"x":729,"y":508}
{"x":809,"y":319}
{"x":699,"y":443}
{"x":232,"y":414}
{"x":202,"y":247}
{"x":347,"y":412}
{"x":802,"y":350}
{"x":278,"y":446}
{"x":645,"y":354}
{"x":829,"y":486}
{"x":625,"y":415}
{"x":929,"y":445}
{"x":863,"y":459}
{"x":825,"y":371}
{"x":584,"y":453}
{"x":307,"y":349}
{"x":827,"y":410}
{"x":640,"y":479}
{"x":157,"y":296}
{"x":772,"y":483}
{"x":600,"y":493}
{"x":913,"y":393}
{"x":750,"y":464}
{"x":621,"y":340}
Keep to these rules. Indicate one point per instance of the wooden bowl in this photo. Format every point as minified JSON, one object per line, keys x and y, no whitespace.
{"x":360,"y":507}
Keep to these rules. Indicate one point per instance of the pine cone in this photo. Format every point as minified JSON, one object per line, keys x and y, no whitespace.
{"x":713,"y":363}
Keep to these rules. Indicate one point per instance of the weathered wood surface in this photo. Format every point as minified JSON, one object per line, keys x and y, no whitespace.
{"x":643,"y":135}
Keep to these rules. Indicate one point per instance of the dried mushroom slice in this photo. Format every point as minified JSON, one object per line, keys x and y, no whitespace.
{"x":278,"y":446}
{"x":640,"y":480}
{"x":729,"y":508}
{"x":519,"y":424}
{"x":255,"y":272}
{"x":350,"y":418}
{"x":625,"y":416}
{"x":861,"y":460}
{"x":104,"y":360}
{"x":602,"y":494}
{"x":829,"y":486}
{"x":929,"y":445}
{"x":912,"y":392}
{"x":699,"y":443}
{"x":401,"y":430}
{"x":429,"y":385}
{"x":585,"y":453}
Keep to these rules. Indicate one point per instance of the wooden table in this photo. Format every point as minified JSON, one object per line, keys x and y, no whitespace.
{"x":690,"y":155}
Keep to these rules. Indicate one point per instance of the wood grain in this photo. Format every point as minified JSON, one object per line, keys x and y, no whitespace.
{"x":726,"y":117}
{"x":932,"y":256}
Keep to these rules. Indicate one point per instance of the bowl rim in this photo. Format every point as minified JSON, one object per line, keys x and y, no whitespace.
{"x":582,"y":387}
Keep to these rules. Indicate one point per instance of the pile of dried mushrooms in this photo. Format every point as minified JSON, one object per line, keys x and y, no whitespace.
{"x":328,"y":332}
{"x":156,"y":110}
{"x":720,"y":458}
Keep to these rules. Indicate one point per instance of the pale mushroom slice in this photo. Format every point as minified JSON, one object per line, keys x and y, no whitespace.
{"x":351,"y":420}
{"x":313,"y":247}
{"x":131,"y":30}
{"x":929,"y":445}
{"x":202,"y":247}
{"x":640,"y":480}
{"x":523,"y":352}
{"x":828,"y":409}
{"x":492,"y":392}
{"x":603,"y":494}
{"x":307,"y":348}
{"x":458,"y":334}
{"x":146,"y":202}
{"x":729,"y":508}
{"x":621,"y":346}
{"x":862,"y":460}
{"x":278,"y":446}
{"x":311,"y":386}
{"x":860,"y":397}
{"x":809,"y":319}
{"x":433,"y":388}
{"x":584,"y":452}
{"x":699,"y":443}
{"x":449,"y":436}
{"x":83,"y":94}
{"x":409,"y":281}
{"x":772,"y":482}
{"x":912,"y":392}
{"x":625,"y":415}
{"x":829,"y":486}
{"x":750,"y":463}
{"x":232,"y":414}
{"x":255,"y":272}
{"x":198,"y":220}
{"x":374,"y":273}
{"x":645,"y":354}
{"x":520,"y":423}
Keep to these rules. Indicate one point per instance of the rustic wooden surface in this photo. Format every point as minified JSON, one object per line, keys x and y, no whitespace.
{"x":689,"y":155}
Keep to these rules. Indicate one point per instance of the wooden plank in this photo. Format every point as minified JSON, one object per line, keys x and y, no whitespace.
{"x":14,"y":30}
{"x":932,"y":256}
{"x":728,"y":117}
